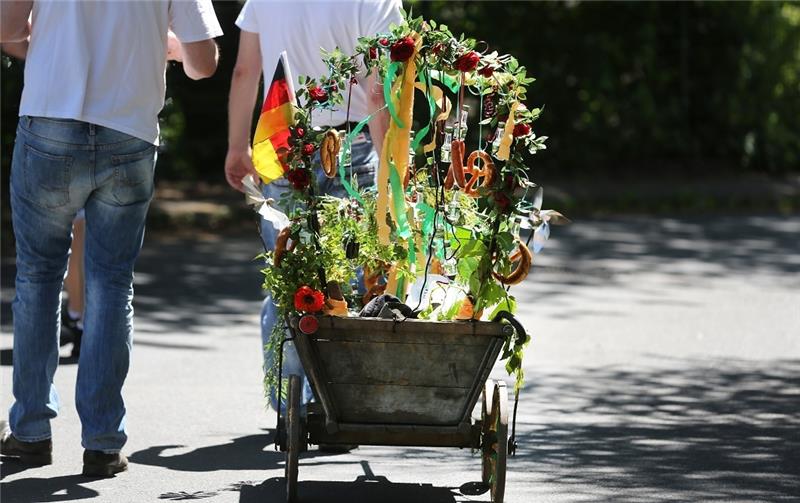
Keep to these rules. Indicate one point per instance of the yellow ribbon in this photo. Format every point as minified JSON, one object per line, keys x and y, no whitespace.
{"x":504,"y":150}
{"x":395,"y":145}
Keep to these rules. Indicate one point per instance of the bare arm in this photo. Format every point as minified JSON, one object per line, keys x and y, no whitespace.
{"x":380,"y":122}
{"x":199,"y":58}
{"x":16,"y":49}
{"x":241,"y":102}
{"x":14,"y":16}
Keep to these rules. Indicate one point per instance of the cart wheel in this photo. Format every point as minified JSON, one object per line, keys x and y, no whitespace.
{"x":486,"y":424}
{"x":494,"y":441}
{"x":293,"y":438}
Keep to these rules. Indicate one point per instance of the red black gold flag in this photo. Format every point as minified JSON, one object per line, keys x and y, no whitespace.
{"x":271,"y":140}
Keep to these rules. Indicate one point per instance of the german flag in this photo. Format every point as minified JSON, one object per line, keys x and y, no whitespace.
{"x":271,"y":141}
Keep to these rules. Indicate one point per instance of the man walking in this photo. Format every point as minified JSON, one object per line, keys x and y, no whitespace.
{"x":301,"y":28}
{"x":86,"y":138}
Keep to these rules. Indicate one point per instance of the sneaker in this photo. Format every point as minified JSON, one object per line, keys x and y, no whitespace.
{"x":71,"y":331}
{"x":31,"y":453}
{"x":100,"y":464}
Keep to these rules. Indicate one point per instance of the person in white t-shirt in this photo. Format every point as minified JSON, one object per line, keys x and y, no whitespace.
{"x":301,"y":28}
{"x":86,"y":138}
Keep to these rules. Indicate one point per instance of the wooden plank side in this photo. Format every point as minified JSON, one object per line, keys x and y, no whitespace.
{"x":332,"y":324}
{"x":387,"y":404}
{"x":401,"y":364}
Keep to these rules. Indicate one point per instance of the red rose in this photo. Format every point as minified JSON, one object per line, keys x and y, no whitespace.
{"x":402,"y":49}
{"x":309,"y":300}
{"x":384,"y":41}
{"x":486,"y":71}
{"x":503,"y":201}
{"x":521,"y":130}
{"x":309,"y":149}
{"x":467,"y":61}
{"x":299,"y":132}
{"x":318,"y":94}
{"x":299,"y":178}
{"x":373,"y":53}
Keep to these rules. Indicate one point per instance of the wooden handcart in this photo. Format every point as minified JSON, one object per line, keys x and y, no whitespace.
{"x":403,"y":383}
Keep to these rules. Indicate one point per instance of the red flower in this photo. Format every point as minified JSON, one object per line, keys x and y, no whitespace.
{"x":309,"y":300}
{"x":299,"y":178}
{"x":309,"y":149}
{"x":299,"y":132}
{"x":402,"y":49}
{"x":318,"y":94}
{"x":521,"y":130}
{"x":437,"y":49}
{"x":384,"y":41}
{"x":373,"y":53}
{"x":503,"y":201}
{"x":467,"y":61}
{"x":486,"y":71}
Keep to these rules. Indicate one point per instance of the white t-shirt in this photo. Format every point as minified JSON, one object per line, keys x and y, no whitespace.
{"x":301,"y":27}
{"x":104,"y":62}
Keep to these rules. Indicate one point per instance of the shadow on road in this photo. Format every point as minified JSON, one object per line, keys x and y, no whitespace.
{"x":377,"y":489}
{"x":42,"y":490}
{"x":717,"y":432}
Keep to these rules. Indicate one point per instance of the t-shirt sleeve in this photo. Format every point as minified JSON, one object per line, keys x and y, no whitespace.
{"x":247,"y":19}
{"x":193,"y":20}
{"x":385,"y":13}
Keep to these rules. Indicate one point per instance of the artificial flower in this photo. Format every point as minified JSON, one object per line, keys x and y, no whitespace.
{"x":402,"y":49}
{"x":299,"y":178}
{"x":309,"y":300}
{"x":318,"y":94}
{"x":308,"y":148}
{"x":467,"y":61}
{"x":522,"y":129}
{"x":487,"y":71}
{"x":299,"y":132}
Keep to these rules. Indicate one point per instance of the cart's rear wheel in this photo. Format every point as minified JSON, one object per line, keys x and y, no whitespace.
{"x":494,"y":438}
{"x":293,"y":438}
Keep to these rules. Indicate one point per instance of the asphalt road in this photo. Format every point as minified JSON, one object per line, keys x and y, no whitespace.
{"x":665,"y":366}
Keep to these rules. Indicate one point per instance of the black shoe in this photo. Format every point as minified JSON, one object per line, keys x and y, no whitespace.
{"x":100,"y":464}
{"x":31,"y":453}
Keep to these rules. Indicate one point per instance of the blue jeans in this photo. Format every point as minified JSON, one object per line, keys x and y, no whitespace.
{"x":60,"y":166}
{"x":364,"y":166}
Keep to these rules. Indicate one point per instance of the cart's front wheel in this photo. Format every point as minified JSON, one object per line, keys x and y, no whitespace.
{"x":293,"y":438}
{"x":494,"y":437}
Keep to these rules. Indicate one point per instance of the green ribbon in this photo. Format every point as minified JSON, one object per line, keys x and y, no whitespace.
{"x":398,"y":198}
{"x":345,"y":147}
{"x":387,"y":92}
{"x":451,"y":82}
{"x":431,"y":107}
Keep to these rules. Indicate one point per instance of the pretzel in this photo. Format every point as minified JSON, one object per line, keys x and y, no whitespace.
{"x":524,"y":260}
{"x":456,"y":171}
{"x":280,"y":246}
{"x":484,"y":173}
{"x":329,"y":152}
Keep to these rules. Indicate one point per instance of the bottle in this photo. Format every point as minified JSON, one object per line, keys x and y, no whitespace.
{"x":498,"y":137}
{"x":446,"y":144}
{"x":462,"y":127}
{"x":345,"y":157}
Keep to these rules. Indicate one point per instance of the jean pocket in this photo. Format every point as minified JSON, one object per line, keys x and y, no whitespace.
{"x":47,"y":177}
{"x":133,"y":176}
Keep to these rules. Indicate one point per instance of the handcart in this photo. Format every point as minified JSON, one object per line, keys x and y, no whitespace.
{"x":402,"y":383}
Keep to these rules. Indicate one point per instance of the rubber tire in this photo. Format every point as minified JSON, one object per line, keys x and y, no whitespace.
{"x":293,"y":425}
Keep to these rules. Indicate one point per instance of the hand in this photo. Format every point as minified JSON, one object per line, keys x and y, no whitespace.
{"x":174,"y":48}
{"x":239,"y":164}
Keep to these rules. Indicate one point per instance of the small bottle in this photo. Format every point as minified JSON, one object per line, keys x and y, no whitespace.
{"x":411,"y":154}
{"x":446,"y":144}
{"x":462,"y":127}
{"x":498,"y":137}
{"x":345,"y":157}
